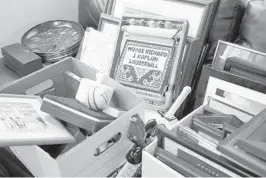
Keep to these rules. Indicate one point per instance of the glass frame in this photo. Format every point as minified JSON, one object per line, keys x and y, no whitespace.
{"x":225,"y":50}
{"x":115,"y":8}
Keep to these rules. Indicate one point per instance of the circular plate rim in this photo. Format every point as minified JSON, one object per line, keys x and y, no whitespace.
{"x":52,"y":21}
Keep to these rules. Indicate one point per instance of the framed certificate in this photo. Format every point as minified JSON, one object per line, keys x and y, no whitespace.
{"x":180,"y":9}
{"x":148,"y":59}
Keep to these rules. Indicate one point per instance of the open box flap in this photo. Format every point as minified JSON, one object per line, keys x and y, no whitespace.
{"x":244,"y":101}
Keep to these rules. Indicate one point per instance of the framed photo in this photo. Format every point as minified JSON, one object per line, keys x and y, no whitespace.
{"x":23,"y":123}
{"x":202,"y":11}
{"x":246,"y":102}
{"x":226,"y":50}
{"x":109,"y":24}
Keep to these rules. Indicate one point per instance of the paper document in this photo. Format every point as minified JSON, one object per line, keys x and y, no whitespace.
{"x":98,"y":50}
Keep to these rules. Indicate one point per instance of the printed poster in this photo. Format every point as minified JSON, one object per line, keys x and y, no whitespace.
{"x":144,"y":66}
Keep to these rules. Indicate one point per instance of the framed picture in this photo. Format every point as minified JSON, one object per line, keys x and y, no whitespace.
{"x":147,"y":60}
{"x":109,"y":24}
{"x":23,"y":123}
{"x":96,"y":41}
{"x":202,"y":11}
{"x":208,"y":71}
{"x":245,"y":101}
{"x":226,"y":50}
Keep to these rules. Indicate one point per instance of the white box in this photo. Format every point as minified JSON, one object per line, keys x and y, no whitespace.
{"x":152,"y":167}
{"x":80,"y":160}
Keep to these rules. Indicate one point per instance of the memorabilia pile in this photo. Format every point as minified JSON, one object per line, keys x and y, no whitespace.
{"x":132,"y":98}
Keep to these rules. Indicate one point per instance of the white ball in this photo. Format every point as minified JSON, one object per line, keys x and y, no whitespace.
{"x":95,"y":95}
{"x":99,"y":97}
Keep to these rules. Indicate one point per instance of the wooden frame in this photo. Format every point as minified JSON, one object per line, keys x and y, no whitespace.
{"x":105,"y":18}
{"x":239,"y":67}
{"x":172,"y":143}
{"x":225,"y":50}
{"x":254,"y":130}
{"x":238,"y":97}
{"x":163,"y":99}
{"x":203,"y":18}
{"x":209,"y":71}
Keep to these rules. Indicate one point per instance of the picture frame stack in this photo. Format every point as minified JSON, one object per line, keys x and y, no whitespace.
{"x":199,"y":24}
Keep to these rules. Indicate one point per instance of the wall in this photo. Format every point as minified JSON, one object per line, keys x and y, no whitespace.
{"x":17,"y":16}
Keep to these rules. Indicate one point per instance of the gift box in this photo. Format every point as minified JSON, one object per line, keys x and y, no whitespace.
{"x":83,"y":159}
{"x":242,"y":102}
{"x":21,"y":59}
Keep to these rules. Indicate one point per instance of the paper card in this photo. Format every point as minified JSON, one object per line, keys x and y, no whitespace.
{"x":144,"y":66}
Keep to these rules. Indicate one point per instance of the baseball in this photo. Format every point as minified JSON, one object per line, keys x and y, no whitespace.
{"x":99,"y":97}
{"x":94,"y":95}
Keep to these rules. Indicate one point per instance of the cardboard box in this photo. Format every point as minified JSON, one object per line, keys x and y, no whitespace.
{"x":21,"y":59}
{"x":152,"y":167}
{"x":80,"y":160}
